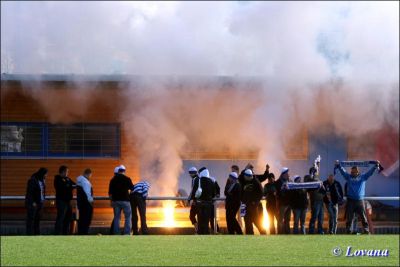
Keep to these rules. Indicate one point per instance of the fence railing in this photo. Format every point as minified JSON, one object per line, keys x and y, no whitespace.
{"x":392,"y":198}
{"x":13,"y":198}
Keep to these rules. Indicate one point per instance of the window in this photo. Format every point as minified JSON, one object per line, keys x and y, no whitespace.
{"x":60,"y":141}
{"x":361,"y":147}
{"x":22,"y":139}
{"x":296,"y":147}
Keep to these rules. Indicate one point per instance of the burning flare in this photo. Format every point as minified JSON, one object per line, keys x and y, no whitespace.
{"x":169,"y":214}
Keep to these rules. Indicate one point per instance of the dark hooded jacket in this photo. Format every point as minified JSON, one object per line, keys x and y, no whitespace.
{"x":34,"y":192}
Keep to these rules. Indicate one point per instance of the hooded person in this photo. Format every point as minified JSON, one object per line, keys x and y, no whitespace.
{"x":232,"y":203}
{"x":283,"y":202}
{"x":251,"y":195}
{"x":270,"y":196}
{"x":217,"y":195}
{"x":34,"y":198}
{"x":261,"y":178}
{"x":193,"y":173}
{"x":203,"y":192}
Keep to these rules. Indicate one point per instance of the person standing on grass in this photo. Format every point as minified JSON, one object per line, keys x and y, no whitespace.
{"x":232,"y":203}
{"x":203,"y":192}
{"x":34,"y":198}
{"x":355,"y":194}
{"x":138,"y":197}
{"x":261,"y":178}
{"x":270,"y":195}
{"x":84,"y":197}
{"x":192,"y":213}
{"x":316,"y":199}
{"x":112,"y":222}
{"x":235,"y":168}
{"x":332,"y":199}
{"x":118,"y":190}
{"x":283,"y":201}
{"x":63,"y":186}
{"x":299,"y":204}
{"x":251,"y":196}
{"x":217,"y":195}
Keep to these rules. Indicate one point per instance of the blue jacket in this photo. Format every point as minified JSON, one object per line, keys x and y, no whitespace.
{"x":356,"y":185}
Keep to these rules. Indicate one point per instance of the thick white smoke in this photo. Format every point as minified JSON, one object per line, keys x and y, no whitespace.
{"x":292,"y":64}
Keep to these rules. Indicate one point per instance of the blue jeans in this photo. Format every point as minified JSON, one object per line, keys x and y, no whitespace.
{"x":124,"y":206}
{"x":333,"y":214}
{"x":299,"y":217}
{"x":317,"y":212}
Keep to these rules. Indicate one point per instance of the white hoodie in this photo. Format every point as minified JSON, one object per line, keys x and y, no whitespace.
{"x":83,"y":182}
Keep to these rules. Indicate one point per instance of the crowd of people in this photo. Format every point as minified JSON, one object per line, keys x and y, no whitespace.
{"x":284,"y":197}
{"x":243,"y":191}
{"x":125,"y":197}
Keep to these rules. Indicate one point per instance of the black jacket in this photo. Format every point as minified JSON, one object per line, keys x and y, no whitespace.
{"x":33,"y":192}
{"x":270,"y":194}
{"x":232,"y":193}
{"x":217,"y":189}
{"x":207,"y":187}
{"x":316,"y":194}
{"x":298,"y":199}
{"x":335,"y":191}
{"x":282,"y":196}
{"x":63,"y":187}
{"x":260,"y":177}
{"x":119,"y":187}
{"x":251,"y":191}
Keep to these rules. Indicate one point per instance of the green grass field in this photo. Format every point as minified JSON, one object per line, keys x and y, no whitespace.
{"x":194,"y":250}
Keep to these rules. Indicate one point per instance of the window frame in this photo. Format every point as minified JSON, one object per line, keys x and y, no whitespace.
{"x":45,"y":152}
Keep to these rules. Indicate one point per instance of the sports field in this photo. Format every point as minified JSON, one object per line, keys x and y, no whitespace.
{"x":195,"y":250}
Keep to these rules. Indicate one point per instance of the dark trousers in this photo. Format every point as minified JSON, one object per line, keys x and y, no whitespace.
{"x":354,"y":208}
{"x":212,"y":217}
{"x":193,"y":212}
{"x":33,"y":219}
{"x":204,"y":210}
{"x":317,"y":213}
{"x":231,"y":222}
{"x":64,"y":217}
{"x":272,"y":214}
{"x":299,"y":217}
{"x":85,"y":218}
{"x":138,"y":203}
{"x":333,"y":214}
{"x":252,"y":217}
{"x":284,"y":213}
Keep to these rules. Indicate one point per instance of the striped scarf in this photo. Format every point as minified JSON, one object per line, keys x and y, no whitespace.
{"x":308,"y":185}
{"x":357,"y":163}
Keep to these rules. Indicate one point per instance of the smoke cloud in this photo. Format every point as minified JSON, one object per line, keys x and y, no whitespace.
{"x":285,"y":66}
